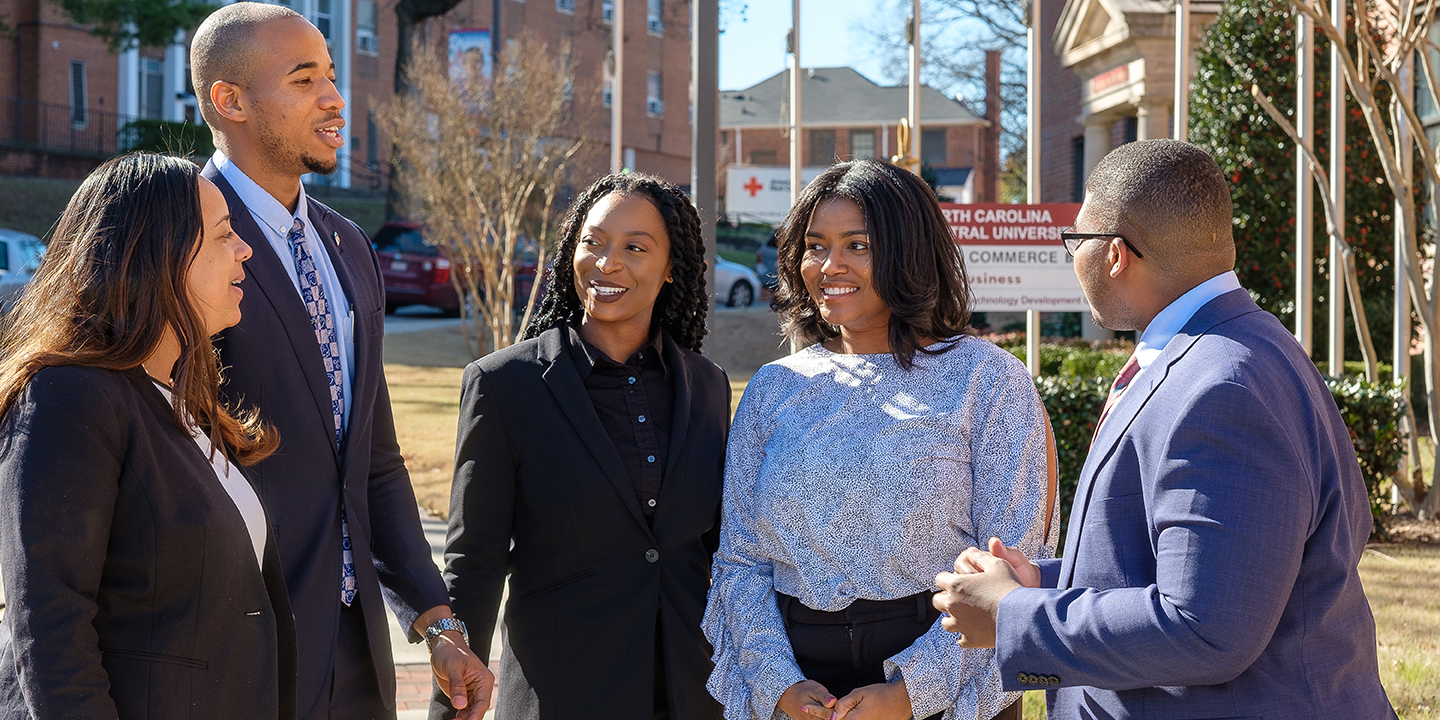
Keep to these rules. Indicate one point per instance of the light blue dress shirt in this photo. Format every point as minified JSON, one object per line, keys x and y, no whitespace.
{"x":1173,"y":318}
{"x":276,"y":221}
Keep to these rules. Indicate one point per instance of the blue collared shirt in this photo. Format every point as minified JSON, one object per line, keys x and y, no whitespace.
{"x":276,"y":221}
{"x":1173,"y":318}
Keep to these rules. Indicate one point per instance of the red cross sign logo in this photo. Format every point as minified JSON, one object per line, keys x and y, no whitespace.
{"x":753,"y":186}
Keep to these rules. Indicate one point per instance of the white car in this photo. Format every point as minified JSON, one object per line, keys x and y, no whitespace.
{"x":19,"y":258}
{"x":736,"y":283}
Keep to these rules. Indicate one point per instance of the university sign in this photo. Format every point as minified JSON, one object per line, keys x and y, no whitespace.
{"x":1014,"y":256}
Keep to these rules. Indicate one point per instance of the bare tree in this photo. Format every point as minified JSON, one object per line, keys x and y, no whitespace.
{"x":484,"y":164}
{"x":1385,"y":37}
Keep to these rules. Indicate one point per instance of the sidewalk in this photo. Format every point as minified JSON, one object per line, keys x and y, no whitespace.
{"x":412,"y":662}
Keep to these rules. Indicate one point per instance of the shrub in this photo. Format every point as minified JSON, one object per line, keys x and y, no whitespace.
{"x":1076,"y":381}
{"x":161,"y":136}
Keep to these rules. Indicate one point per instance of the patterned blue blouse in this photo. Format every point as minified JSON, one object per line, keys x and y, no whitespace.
{"x":847,"y":477}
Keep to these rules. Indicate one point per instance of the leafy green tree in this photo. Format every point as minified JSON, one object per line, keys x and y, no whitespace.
{"x":1253,"y":41}
{"x":127,"y":23}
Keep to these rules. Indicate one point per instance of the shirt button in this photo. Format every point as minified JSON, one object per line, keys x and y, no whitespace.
{"x":652,"y":555}
{"x":652,"y":502}
{"x":632,"y":381}
{"x":642,"y":418}
{"x":650,"y":458}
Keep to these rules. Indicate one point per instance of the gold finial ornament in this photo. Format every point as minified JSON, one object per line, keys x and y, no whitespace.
{"x":902,"y":140}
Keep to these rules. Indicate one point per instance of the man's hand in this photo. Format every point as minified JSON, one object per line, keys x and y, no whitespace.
{"x":1026,"y":571}
{"x":883,"y":701}
{"x":972,"y":599}
{"x":461,"y":676}
{"x":807,"y":699}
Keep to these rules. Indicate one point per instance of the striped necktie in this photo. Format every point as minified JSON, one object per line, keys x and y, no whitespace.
{"x":324,"y":323}
{"x":1117,"y":389}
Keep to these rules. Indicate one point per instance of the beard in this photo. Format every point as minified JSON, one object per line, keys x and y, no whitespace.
{"x":1108,"y":309}
{"x":283,"y":153}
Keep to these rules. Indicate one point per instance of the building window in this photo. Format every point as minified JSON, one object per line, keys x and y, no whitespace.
{"x":862,"y":144}
{"x":322,"y":18}
{"x":763,"y":157}
{"x":654,"y":23}
{"x":152,"y":89}
{"x":1131,"y":130}
{"x":607,"y":96}
{"x":1077,"y":169}
{"x":79,"y":115}
{"x":822,"y":147}
{"x":932,"y":147}
{"x":654,"y":105}
{"x":565,"y":6}
{"x":367,"y":42}
{"x":607,"y":12}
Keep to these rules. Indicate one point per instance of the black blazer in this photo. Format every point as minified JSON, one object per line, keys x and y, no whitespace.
{"x":273,"y":364}
{"x":130,"y":576}
{"x":588,"y":576}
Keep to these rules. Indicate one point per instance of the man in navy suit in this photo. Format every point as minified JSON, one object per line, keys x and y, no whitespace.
{"x":1210,"y":566}
{"x":307,"y":357}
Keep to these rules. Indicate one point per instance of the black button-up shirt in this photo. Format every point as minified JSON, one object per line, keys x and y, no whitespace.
{"x":635,"y":401}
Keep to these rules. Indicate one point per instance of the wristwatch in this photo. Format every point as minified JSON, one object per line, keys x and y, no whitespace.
{"x":440,"y":626}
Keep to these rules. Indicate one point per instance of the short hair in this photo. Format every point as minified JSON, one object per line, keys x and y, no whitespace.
{"x":1175,"y":194}
{"x":916,"y":268}
{"x":681,"y":306}
{"x":224,"y":49}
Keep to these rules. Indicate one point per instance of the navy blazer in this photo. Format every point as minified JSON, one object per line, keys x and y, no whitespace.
{"x":131,"y":578}
{"x":542,"y":499}
{"x":1210,"y":565}
{"x":272,"y":363}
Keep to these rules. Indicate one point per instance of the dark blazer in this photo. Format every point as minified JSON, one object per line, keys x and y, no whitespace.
{"x":273,"y":364}
{"x":130,"y":576}
{"x":588,"y":576}
{"x":1210,"y":566}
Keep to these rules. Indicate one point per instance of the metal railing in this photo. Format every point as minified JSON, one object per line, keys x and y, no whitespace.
{"x":52,"y":127}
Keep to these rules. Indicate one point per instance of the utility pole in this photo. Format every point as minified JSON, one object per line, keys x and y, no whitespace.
{"x":617,"y":85}
{"x":795,"y":98}
{"x":1304,"y":186}
{"x":1182,"y":69}
{"x":704,"y":77}
{"x":1032,"y":167}
{"x":912,"y":32}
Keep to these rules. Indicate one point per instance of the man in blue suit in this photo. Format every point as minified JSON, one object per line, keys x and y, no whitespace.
{"x":1210,"y":565}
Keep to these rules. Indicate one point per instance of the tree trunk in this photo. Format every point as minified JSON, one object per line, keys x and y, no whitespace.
{"x":408,"y":14}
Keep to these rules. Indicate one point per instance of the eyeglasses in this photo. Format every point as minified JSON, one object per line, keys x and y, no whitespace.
{"x":1073,"y":240}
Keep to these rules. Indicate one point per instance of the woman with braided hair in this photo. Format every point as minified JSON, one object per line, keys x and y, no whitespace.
{"x":589,"y":470}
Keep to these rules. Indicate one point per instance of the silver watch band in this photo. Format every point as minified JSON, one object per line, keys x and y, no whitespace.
{"x":440,"y":626}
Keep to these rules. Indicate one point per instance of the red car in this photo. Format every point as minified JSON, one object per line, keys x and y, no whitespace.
{"x":417,"y":273}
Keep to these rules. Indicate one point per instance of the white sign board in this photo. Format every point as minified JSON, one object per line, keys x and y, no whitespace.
{"x":1014,"y":257}
{"x":761,"y":193}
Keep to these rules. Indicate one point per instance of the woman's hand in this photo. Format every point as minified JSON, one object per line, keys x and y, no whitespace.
{"x":807,"y":699}
{"x":885,"y":701}
{"x":1026,"y":571}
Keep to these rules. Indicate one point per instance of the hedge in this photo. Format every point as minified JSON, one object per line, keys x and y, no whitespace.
{"x":1372,"y":413}
{"x":173,"y":138}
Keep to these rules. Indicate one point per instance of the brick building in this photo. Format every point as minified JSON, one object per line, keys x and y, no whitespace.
{"x":64,"y":96}
{"x":846,"y":116}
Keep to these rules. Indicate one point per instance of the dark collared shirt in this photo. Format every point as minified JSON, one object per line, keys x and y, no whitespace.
{"x":635,"y":401}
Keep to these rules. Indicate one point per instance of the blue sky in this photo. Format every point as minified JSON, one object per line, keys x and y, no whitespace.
{"x":752,"y":47}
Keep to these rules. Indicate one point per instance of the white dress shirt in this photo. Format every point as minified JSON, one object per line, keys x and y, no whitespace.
{"x":235,"y":484}
{"x":1172,"y":319}
{"x":276,"y":221}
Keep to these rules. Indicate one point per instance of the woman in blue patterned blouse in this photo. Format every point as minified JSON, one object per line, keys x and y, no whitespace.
{"x":864,"y":463}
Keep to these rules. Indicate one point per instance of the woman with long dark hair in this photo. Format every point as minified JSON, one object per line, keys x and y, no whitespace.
{"x":140,"y":576}
{"x":588,"y":470}
{"x":863,"y":464}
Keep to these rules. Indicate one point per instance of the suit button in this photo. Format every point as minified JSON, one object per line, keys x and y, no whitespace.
{"x":652,"y":555}
{"x":1054,"y":680}
{"x":1023,"y":678}
{"x":651,"y":502}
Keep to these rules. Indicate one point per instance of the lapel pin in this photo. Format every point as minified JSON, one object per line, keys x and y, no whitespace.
{"x":337,"y":239}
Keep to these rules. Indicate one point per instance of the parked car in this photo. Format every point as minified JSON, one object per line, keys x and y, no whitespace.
{"x":20,"y":256}
{"x":736,"y":283}
{"x":766,"y":258}
{"x":418,"y":273}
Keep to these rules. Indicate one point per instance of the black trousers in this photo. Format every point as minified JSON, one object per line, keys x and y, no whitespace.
{"x":354,"y":694}
{"x":847,"y":649}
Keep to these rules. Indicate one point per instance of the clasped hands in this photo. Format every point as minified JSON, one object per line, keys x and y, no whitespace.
{"x":883,"y":701}
{"x":971,"y":595}
{"x":458,"y":671}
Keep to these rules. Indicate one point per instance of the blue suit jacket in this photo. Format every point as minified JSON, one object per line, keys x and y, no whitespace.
{"x":1210,"y":565}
